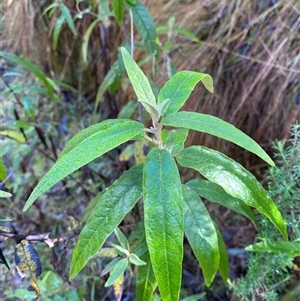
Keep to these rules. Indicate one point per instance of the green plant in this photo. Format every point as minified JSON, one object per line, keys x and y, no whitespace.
{"x":271,"y":266}
{"x":170,"y":207}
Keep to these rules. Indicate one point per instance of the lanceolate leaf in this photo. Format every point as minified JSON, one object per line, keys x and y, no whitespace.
{"x":217,"y":127}
{"x":117,"y":272}
{"x":145,"y":282}
{"x":179,"y":87}
{"x":65,"y":11}
{"x":215,"y":193}
{"x":174,"y":140}
{"x":110,"y":210}
{"x":289,"y":247}
{"x":84,"y":147}
{"x":118,"y":7}
{"x":164,"y":221}
{"x":86,"y":39}
{"x":234,"y":179}
{"x":201,"y":233}
{"x":145,"y":25}
{"x":224,"y":262}
{"x":138,"y":80}
{"x":56,"y":31}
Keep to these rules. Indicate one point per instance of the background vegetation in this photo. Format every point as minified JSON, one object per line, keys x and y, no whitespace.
{"x":251,"y":49}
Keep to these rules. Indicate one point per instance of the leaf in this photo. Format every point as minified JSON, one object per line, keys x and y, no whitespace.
{"x":128,"y":110}
{"x":234,"y":179}
{"x":287,"y":247}
{"x":118,"y":7}
{"x":4,"y":194}
{"x":144,"y":25}
{"x":174,"y":140}
{"x":217,"y":194}
{"x":186,"y":33}
{"x":110,"y":210}
{"x":13,"y":135}
{"x":27,"y":260}
{"x":116,"y":273}
{"x":35,"y":70}
{"x":110,"y":266}
{"x":107,"y":81}
{"x":217,"y":127}
{"x":56,"y":31}
{"x":196,"y":297}
{"x":65,"y":11}
{"x":86,"y":38}
{"x":121,"y":238}
{"x":179,"y":88}
{"x":224,"y":261}
{"x":201,"y":233}
{"x":84,"y":147}
{"x":134,"y":259}
{"x":120,"y":250}
{"x":139,"y":81}
{"x":163,"y":213}
{"x":145,"y":280}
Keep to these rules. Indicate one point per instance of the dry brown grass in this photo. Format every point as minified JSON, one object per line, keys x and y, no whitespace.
{"x":251,"y":49}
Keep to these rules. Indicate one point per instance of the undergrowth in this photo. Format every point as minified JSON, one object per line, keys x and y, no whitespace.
{"x":274,"y":276}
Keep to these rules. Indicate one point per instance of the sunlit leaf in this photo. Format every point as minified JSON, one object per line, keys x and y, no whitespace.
{"x":201,"y":233}
{"x":234,"y":179}
{"x":84,"y":147}
{"x":13,"y":135}
{"x":217,"y":127}
{"x":163,"y":213}
{"x":109,"y":211}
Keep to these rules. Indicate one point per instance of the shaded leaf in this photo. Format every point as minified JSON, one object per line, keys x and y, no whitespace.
{"x":215,"y":193}
{"x":117,"y":272}
{"x":201,"y":233}
{"x":224,"y":261}
{"x":288,"y":247}
{"x":86,"y":39}
{"x":179,"y":88}
{"x":110,"y":210}
{"x":163,"y":213}
{"x":174,"y":140}
{"x":110,"y":266}
{"x":145,"y":280}
{"x":118,"y":7}
{"x":84,"y":147}
{"x":217,"y":127}
{"x":67,"y":15}
{"x":234,"y":179}
{"x":128,"y":110}
{"x":144,"y":25}
{"x":122,"y":238}
{"x":56,"y":31}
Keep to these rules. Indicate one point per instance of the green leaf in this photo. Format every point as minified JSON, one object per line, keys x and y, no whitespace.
{"x":288,"y":247}
{"x":110,"y":266}
{"x":145,"y":280}
{"x":35,"y":70}
{"x":234,"y":179}
{"x":107,"y":81}
{"x":13,"y":135}
{"x":186,"y":33}
{"x":121,"y":238}
{"x":224,"y":262}
{"x":86,"y":38}
{"x":217,"y":127}
{"x":4,"y":194}
{"x":174,"y":140}
{"x":84,"y":147}
{"x":118,"y":7}
{"x":179,"y":87}
{"x":128,"y":109}
{"x":139,"y":81}
{"x":120,"y":250}
{"x":217,"y":194}
{"x":56,"y":31}
{"x":164,"y":220}
{"x":65,"y":11}
{"x":117,"y":272}
{"x":196,"y":297}
{"x":144,"y":25}
{"x":110,"y":210}
{"x":134,"y":259}
{"x":201,"y":233}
